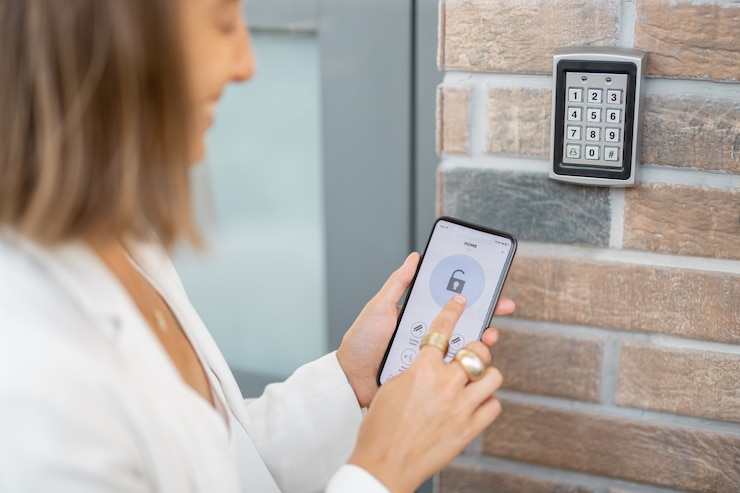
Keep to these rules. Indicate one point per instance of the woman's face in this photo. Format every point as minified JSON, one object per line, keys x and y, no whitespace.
{"x":217,"y":51}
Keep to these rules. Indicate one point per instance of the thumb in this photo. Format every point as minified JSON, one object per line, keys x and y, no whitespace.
{"x":399,"y":281}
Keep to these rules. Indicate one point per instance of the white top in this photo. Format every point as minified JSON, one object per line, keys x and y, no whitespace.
{"x":90,"y":401}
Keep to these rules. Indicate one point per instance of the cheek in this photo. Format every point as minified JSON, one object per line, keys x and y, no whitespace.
{"x":200,"y":74}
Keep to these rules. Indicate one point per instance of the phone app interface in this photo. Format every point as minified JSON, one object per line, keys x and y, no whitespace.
{"x":460,"y":260}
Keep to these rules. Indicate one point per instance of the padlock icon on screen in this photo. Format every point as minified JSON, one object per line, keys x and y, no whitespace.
{"x":456,"y":284}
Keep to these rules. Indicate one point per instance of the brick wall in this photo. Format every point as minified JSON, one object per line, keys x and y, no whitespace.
{"x":622,"y":365}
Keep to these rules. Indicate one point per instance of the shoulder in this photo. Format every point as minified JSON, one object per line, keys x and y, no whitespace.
{"x":42,"y":329}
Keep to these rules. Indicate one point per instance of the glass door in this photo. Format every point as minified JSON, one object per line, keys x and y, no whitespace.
{"x":260,"y":283}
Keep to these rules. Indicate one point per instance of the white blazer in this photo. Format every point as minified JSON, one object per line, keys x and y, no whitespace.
{"x":90,"y":401}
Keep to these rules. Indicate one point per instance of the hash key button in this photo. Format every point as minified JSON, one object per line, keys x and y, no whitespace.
{"x":611,"y":153}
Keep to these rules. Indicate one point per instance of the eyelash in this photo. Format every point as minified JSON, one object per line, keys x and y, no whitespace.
{"x":228,"y":22}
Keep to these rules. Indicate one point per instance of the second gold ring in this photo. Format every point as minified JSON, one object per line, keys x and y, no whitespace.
{"x":471,"y":363}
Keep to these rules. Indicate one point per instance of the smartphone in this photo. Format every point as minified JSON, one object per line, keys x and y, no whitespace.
{"x":459,"y":258}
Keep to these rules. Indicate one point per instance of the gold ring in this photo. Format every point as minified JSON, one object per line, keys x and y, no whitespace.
{"x":437,"y":340}
{"x":471,"y":363}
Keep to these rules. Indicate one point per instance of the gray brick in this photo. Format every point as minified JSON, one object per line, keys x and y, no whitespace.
{"x":528,"y":205}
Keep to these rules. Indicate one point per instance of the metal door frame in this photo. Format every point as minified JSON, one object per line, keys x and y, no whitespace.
{"x":379,"y":78}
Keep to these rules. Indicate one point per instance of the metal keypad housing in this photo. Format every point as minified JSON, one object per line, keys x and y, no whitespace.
{"x":596,"y":124}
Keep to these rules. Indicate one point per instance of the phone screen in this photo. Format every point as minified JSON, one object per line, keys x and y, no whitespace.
{"x":459,"y":258}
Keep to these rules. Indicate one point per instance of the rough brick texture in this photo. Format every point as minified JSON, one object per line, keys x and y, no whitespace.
{"x":651,"y":453}
{"x":697,"y":304}
{"x":528,"y":205}
{"x":695,"y":383}
{"x":512,"y":36}
{"x":683,"y":220}
{"x":452,"y":120}
{"x":550,"y":364}
{"x":693,"y":131}
{"x":624,"y":364}
{"x":689,"y":40}
{"x":460,"y":479}
{"x":519,"y":121}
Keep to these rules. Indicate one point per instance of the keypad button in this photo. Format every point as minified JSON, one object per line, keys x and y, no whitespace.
{"x":592,"y":152}
{"x":575,"y":95}
{"x":574,"y":132}
{"x":614,"y":96}
{"x":611,"y":134}
{"x":613,"y":116}
{"x":594,"y":96}
{"x":575,"y":114}
{"x":573,"y":151}
{"x":593,"y":115}
{"x":611,"y":153}
{"x":593,"y":133}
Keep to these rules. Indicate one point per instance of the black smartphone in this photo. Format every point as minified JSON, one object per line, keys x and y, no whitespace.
{"x":459,"y":258}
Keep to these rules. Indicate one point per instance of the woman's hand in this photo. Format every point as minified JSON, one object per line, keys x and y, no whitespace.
{"x":364,"y":344}
{"x":424,"y":417}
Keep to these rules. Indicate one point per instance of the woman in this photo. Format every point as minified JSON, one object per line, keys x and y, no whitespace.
{"x":108,"y":379}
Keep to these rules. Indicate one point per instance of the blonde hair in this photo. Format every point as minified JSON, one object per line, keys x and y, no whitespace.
{"x":94,"y":120}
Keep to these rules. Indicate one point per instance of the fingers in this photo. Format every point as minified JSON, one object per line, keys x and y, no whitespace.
{"x":399,"y":281}
{"x":481,"y":350}
{"x":490,"y":336}
{"x":444,"y":323}
{"x":458,"y":373}
{"x":482,"y":389}
{"x":484,"y":415}
{"x":504,"y":306}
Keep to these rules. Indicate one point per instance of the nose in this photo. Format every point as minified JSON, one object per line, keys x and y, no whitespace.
{"x":243,"y":58}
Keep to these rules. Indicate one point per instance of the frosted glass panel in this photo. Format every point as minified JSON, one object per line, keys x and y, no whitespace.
{"x":260,"y":284}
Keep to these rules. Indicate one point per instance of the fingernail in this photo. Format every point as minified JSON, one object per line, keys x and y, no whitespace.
{"x":459,"y":299}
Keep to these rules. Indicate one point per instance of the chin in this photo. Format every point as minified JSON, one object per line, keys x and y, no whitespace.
{"x":197,"y":153}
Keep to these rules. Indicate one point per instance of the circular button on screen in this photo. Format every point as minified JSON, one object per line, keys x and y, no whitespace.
{"x":457,"y":274}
